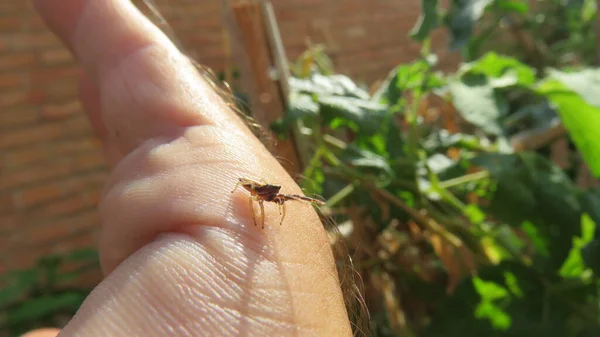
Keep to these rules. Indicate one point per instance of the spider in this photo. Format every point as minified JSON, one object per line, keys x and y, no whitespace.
{"x":262,"y":191}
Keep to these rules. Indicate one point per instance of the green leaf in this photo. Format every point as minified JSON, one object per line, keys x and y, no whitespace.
{"x":42,"y":306}
{"x":83,"y":255}
{"x":574,"y":265}
{"x":462,"y":18}
{"x":586,"y":83}
{"x":338,"y":85}
{"x":591,"y":256}
{"x":366,"y":115}
{"x":507,"y":70}
{"x":367,"y":160}
{"x":489,"y":291}
{"x":474,"y":214}
{"x":478,"y":103}
{"x":406,"y":77}
{"x":499,"y":319}
{"x":17,"y":284}
{"x":349,"y":88}
{"x":590,"y":204}
{"x":428,"y":20}
{"x":516,"y":6}
{"x":533,"y":116}
{"x":531,"y":189}
{"x":507,"y":299}
{"x":443,"y":140}
{"x":302,"y":106}
{"x":578,"y":103}
{"x":537,"y":239}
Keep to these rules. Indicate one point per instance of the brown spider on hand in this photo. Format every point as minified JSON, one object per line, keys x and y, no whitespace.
{"x":261,"y":192}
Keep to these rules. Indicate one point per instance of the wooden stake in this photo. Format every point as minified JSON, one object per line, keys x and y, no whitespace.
{"x":267,"y":101}
{"x":283,"y":77}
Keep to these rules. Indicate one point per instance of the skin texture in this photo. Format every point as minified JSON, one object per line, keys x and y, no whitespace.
{"x":180,"y":252}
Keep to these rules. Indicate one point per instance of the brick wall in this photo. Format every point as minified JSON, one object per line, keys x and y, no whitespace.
{"x":51,"y":167}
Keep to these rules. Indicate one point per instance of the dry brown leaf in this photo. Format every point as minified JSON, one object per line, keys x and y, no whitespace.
{"x":453,"y":153}
{"x":414,"y":228}
{"x":472,"y":198}
{"x":384,"y":206}
{"x":450,"y":117}
{"x":458,"y":261}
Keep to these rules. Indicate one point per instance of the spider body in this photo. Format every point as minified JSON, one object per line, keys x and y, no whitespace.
{"x":262,"y":191}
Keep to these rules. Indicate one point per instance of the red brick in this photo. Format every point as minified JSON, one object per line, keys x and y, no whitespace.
{"x":87,"y":279}
{"x":37,"y":195}
{"x":20,"y":98}
{"x":17,"y":61}
{"x":60,"y":111}
{"x":95,"y":196}
{"x":9,"y":241}
{"x":210,"y":52}
{"x":23,"y":156}
{"x":54,"y":232}
{"x":68,"y":205}
{"x":85,"y":182}
{"x":34,"y":174}
{"x":42,"y":153}
{"x":60,"y":91}
{"x":56,"y":169}
{"x":54,"y":57}
{"x":39,"y":235}
{"x":8,"y":223}
{"x":30,"y":135}
{"x":11,"y":80}
{"x":185,"y":24}
{"x":33,"y":23}
{"x":10,"y":23}
{"x":21,"y":258}
{"x":18,"y":117}
{"x":50,"y":75}
{"x":77,"y":125}
{"x":194,"y":9}
{"x":29,"y":41}
{"x":9,"y":7}
{"x":82,"y":238}
{"x":90,"y":160}
{"x":87,"y":144}
{"x":199,"y":39}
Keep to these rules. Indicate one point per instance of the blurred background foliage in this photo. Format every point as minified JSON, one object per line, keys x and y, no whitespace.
{"x":453,"y":229}
{"x":45,"y":295}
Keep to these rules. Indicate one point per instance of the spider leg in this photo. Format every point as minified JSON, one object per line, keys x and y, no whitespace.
{"x":282,"y":208}
{"x":262,"y":212}
{"x":252,"y":209}
{"x":236,"y":186}
{"x":298,"y":197}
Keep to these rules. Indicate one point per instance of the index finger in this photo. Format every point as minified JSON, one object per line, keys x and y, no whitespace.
{"x":134,"y":65}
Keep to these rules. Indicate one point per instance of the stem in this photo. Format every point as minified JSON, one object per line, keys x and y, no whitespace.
{"x":597,"y":30}
{"x":341,"y":195}
{"x":421,"y":218}
{"x":464,"y":179}
{"x":413,"y":115}
{"x":336,"y":142}
{"x":585,"y":314}
{"x":314,"y":161}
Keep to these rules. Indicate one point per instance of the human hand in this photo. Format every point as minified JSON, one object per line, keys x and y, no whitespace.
{"x":180,"y":252}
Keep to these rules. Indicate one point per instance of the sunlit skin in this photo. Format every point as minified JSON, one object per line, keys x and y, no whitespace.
{"x":179,"y":251}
